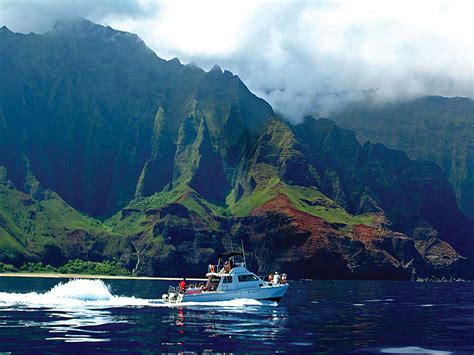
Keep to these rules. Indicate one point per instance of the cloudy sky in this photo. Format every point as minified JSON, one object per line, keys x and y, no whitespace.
{"x":304,"y":57}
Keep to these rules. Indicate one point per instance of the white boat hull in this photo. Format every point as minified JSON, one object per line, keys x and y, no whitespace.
{"x":273,"y":293}
{"x":233,"y":281}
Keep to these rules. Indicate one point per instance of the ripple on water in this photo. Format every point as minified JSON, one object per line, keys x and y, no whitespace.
{"x":130,"y":318}
{"x":300,"y":343}
{"x":413,"y":350}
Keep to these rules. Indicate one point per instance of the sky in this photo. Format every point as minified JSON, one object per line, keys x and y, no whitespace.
{"x":304,"y":57}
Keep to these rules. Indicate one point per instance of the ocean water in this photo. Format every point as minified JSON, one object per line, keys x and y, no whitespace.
{"x":51,"y":315}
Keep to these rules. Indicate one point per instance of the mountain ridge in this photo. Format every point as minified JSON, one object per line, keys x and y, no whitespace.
{"x":181,"y":164}
{"x":432,"y":128}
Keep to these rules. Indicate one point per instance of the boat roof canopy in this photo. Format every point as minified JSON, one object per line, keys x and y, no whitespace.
{"x":229,"y":254}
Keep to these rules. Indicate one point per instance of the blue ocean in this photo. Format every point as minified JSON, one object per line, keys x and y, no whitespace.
{"x":87,"y":316}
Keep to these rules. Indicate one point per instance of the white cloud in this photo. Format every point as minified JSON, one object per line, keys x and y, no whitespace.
{"x":40,"y":15}
{"x":308,"y":57}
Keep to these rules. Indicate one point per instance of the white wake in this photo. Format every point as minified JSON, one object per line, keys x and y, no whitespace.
{"x":95,"y":294}
{"x":74,"y":293}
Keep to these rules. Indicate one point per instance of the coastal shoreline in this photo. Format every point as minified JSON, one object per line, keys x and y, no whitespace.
{"x":85,"y":276}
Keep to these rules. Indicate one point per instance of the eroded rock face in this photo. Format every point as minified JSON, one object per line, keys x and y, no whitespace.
{"x":97,"y":117}
{"x":308,"y":246}
{"x":184,"y":164}
{"x":433,"y":128}
{"x":280,"y":238}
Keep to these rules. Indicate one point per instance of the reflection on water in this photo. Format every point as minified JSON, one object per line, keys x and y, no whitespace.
{"x":78,"y":326}
{"x":233,"y":322}
{"x":85,"y":315}
{"x":70,"y":325}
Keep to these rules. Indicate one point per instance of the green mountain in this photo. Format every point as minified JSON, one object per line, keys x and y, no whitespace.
{"x":433,"y":128}
{"x":47,"y":229}
{"x":104,"y":106}
{"x":121,"y":155}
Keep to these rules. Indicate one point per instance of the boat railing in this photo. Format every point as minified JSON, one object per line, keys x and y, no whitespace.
{"x":220,"y":266}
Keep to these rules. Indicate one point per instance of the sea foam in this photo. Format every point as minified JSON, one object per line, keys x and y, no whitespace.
{"x":80,"y":293}
{"x":74,"y":293}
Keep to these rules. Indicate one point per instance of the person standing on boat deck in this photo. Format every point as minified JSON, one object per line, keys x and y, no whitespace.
{"x":283,"y":279}
{"x":270,"y":277}
{"x":276,"y":279}
{"x":182,"y":285}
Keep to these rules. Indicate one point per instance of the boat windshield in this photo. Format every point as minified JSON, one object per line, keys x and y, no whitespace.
{"x":248,"y":277}
{"x":227,"y":279}
{"x":212,"y":283}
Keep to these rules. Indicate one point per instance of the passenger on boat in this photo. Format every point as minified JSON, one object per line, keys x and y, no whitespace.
{"x":226,"y":267}
{"x":211,"y":268}
{"x":277,"y":278}
{"x":182,"y":285}
{"x":283,"y":279}
{"x":270,"y":277}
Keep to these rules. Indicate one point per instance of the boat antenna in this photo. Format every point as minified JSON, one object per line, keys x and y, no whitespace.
{"x":243,"y":251}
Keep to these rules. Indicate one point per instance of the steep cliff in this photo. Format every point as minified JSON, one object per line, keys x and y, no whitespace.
{"x":436,"y":129}
{"x":180,"y":164}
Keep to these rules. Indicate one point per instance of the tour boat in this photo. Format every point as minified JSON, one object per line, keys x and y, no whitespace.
{"x":228,"y":283}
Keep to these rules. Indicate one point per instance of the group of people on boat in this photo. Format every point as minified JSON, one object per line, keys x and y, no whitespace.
{"x":227,"y":266}
{"x":197,"y":287}
{"x":276,"y":278}
{"x":211,"y":269}
{"x":184,"y":287}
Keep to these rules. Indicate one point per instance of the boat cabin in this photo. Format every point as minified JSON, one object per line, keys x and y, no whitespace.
{"x":232,"y":274}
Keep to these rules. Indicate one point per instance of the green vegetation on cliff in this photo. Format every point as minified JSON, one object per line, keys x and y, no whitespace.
{"x":71,"y":267}
{"x":48,"y":229}
{"x":99,"y":147}
{"x":305,"y":199}
{"x":436,"y":129}
{"x":181,"y":164}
